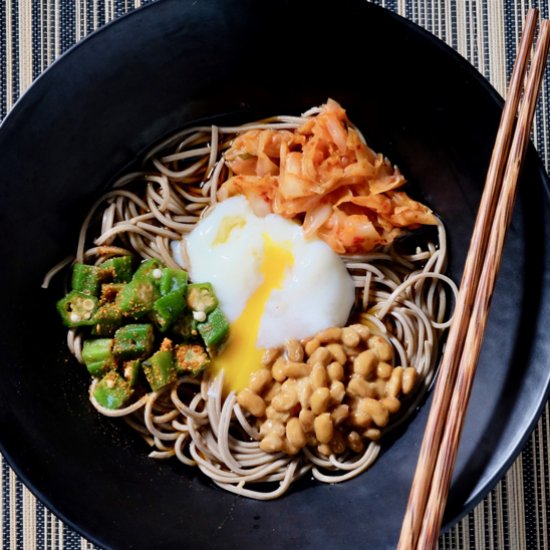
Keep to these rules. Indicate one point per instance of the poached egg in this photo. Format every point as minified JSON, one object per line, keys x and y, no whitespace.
{"x":272,"y":283}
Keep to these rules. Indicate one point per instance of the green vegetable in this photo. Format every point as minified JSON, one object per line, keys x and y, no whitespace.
{"x":185,"y":328}
{"x":160,"y":370}
{"x":146,"y":270}
{"x":118,"y":270}
{"x":167,"y":309}
{"x":109,"y":292}
{"x":201,"y":297}
{"x":191,"y":359}
{"x":110,"y":298}
{"x":215,"y":329}
{"x":107,"y":319}
{"x":130,"y":370}
{"x":133,"y":341}
{"x":137,"y":297}
{"x":86,"y":279}
{"x":98,"y":356}
{"x":77,"y":309}
{"x":112,"y":391}
{"x":173,"y":280}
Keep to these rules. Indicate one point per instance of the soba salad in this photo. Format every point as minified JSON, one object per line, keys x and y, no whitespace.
{"x":263,"y":302}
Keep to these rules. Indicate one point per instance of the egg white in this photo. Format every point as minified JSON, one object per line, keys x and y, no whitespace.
{"x":317,"y":291}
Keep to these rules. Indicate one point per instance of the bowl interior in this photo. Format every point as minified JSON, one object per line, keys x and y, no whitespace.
{"x":164,"y":67}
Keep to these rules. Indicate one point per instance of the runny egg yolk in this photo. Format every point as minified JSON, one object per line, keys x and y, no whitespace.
{"x":240,"y":356}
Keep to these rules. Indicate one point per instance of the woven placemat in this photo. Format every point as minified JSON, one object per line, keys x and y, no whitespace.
{"x":33,"y":33}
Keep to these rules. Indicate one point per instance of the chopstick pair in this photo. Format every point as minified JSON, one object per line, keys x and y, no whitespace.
{"x":429,"y":491}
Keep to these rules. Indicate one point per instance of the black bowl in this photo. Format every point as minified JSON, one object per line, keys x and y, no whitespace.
{"x":87,"y":119}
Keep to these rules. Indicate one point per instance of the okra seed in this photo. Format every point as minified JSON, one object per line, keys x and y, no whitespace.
{"x":199,"y":316}
{"x":75,"y":317}
{"x":157,"y":273}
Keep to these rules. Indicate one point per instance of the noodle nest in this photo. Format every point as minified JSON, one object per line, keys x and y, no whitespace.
{"x":404,"y":296}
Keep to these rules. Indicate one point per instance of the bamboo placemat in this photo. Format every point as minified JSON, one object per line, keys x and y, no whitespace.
{"x":33,"y":33}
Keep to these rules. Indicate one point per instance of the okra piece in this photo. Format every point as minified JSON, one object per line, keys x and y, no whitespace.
{"x":185,"y":327}
{"x":201,"y":297}
{"x":215,"y":329}
{"x":130,"y":371}
{"x":86,"y":279}
{"x":167,"y":309}
{"x":133,"y":341}
{"x":173,"y":280}
{"x":77,"y":309}
{"x":137,"y":297}
{"x":98,"y":356}
{"x":109,"y":292}
{"x":112,"y":391}
{"x":107,"y":319}
{"x":149,"y":269}
{"x":160,"y":370}
{"x":118,"y":269}
{"x":191,"y":359}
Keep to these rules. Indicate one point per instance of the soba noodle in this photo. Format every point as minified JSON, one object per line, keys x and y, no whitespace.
{"x":403,"y":296}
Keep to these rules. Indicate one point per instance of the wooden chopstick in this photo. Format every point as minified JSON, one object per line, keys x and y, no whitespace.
{"x":448,"y":451}
{"x":447,"y":372}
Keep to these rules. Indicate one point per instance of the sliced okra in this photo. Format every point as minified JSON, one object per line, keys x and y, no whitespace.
{"x":137,"y":297}
{"x":215,"y":329}
{"x":160,"y":370}
{"x":118,"y":269}
{"x":107,"y":320}
{"x":201,"y":297}
{"x":130,"y":371}
{"x":133,"y":341}
{"x":109,"y":292}
{"x":112,"y":391}
{"x":173,"y":280}
{"x":86,"y":279}
{"x":191,"y":359}
{"x":77,"y":309}
{"x":98,"y":356}
{"x":167,"y":309}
